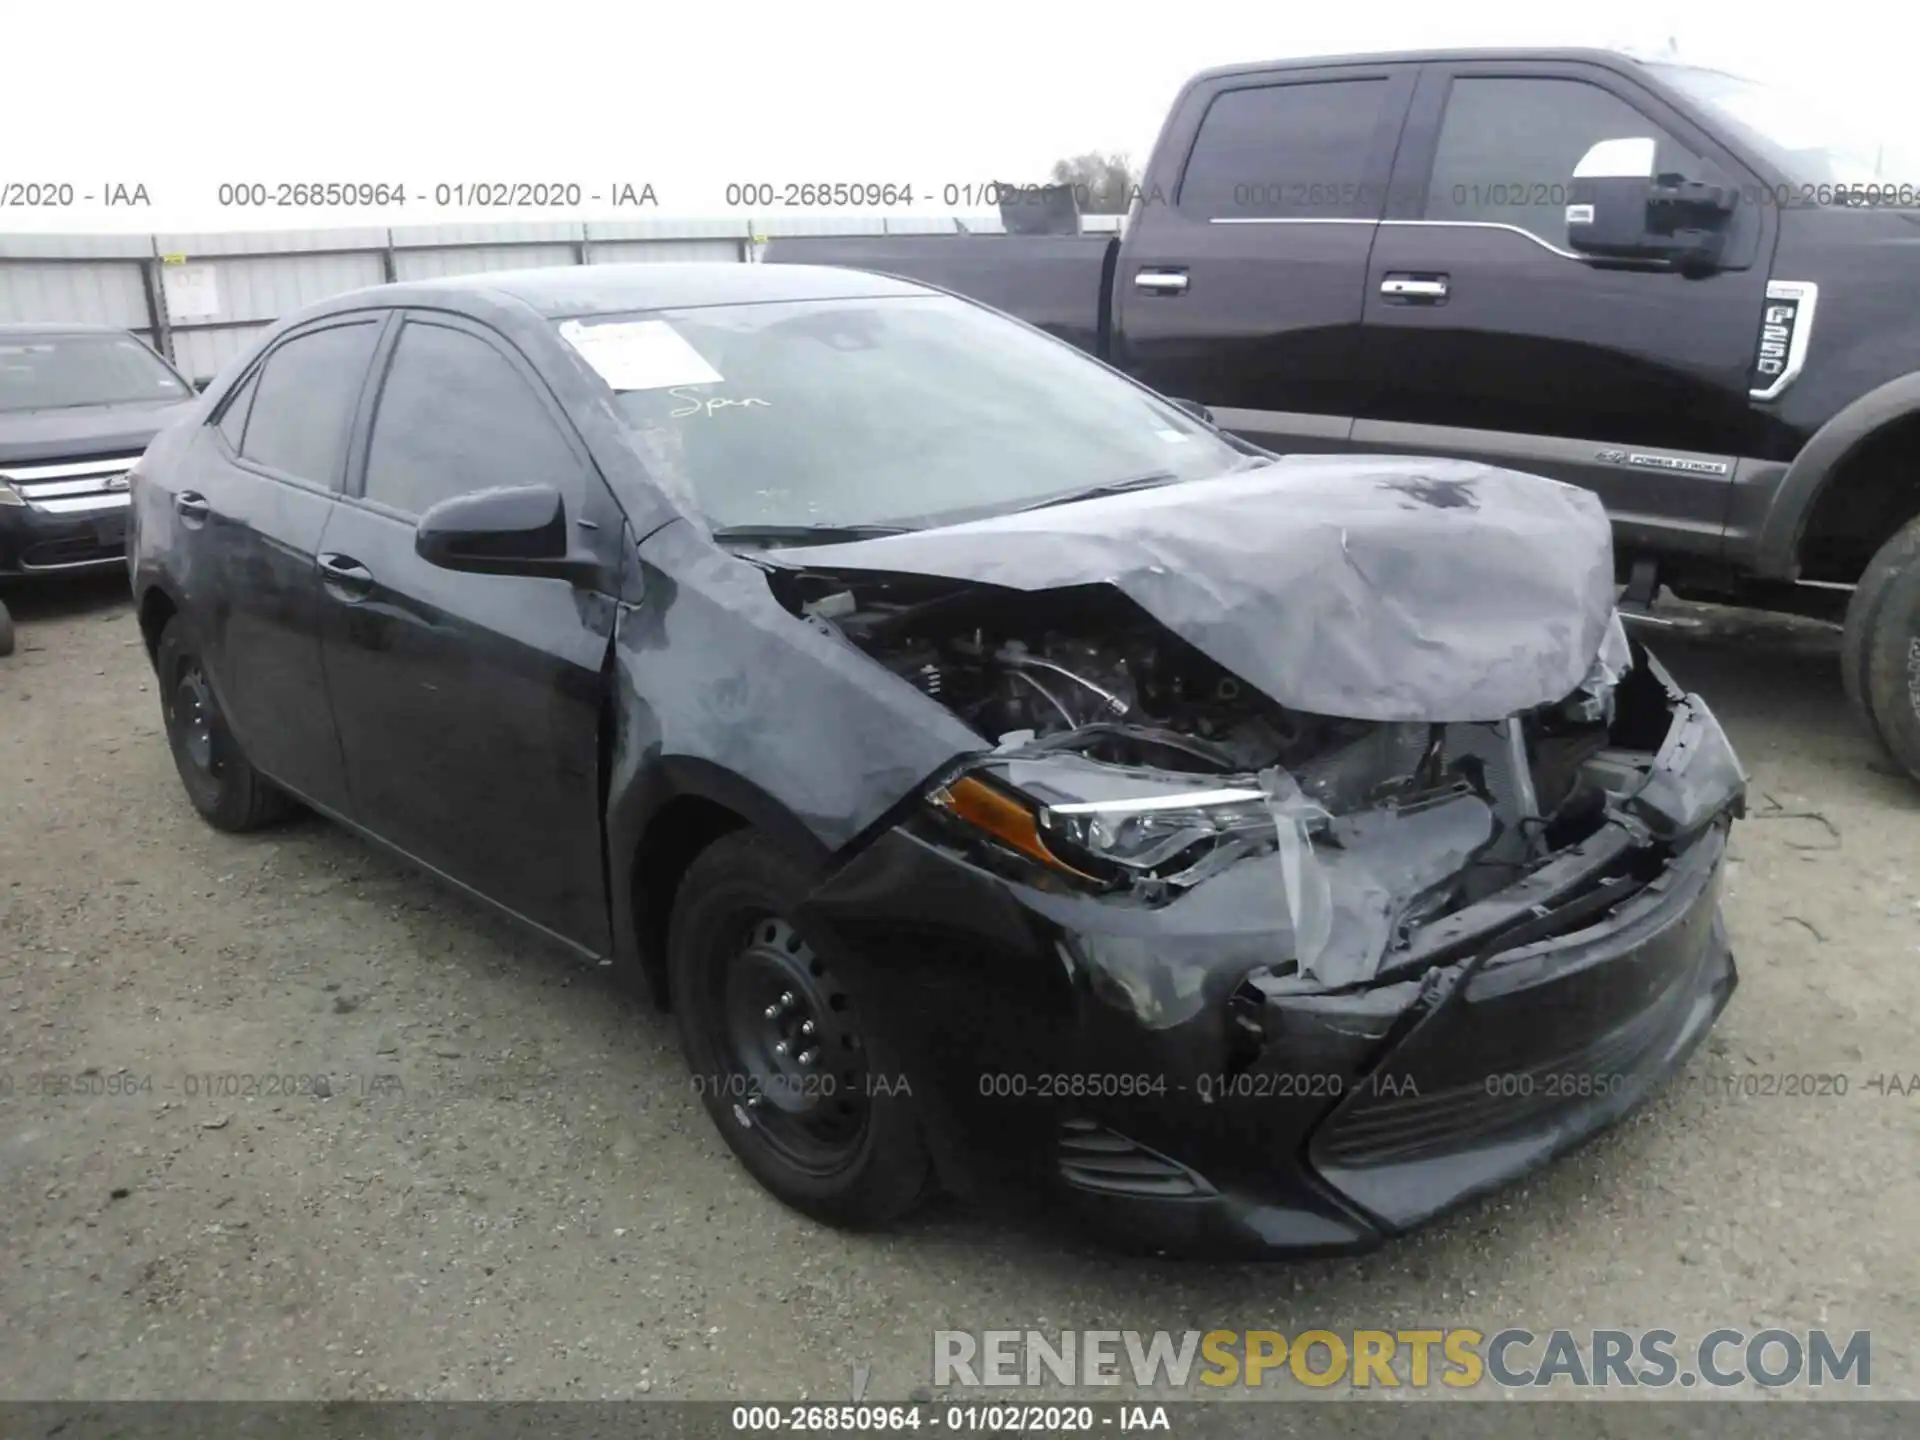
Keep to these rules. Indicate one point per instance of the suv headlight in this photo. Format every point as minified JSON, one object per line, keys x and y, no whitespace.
{"x":1101,"y":824}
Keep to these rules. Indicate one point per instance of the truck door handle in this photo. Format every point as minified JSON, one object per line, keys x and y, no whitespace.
{"x":192,"y":507}
{"x":1161,"y":282}
{"x":345,"y":577}
{"x":1411,"y":289}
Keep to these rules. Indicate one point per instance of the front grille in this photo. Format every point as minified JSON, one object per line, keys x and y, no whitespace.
{"x":72,"y":487}
{"x":73,"y":550}
{"x":1391,"y":1123}
{"x":1093,"y":1157}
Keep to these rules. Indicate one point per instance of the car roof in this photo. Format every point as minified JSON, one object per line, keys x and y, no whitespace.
{"x":40,"y":329}
{"x":558,"y":291}
{"x":1614,"y":58}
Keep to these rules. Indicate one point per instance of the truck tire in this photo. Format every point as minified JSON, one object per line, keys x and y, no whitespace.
{"x":780,"y":1050}
{"x":1890,"y":672}
{"x":1862,"y":611}
{"x":6,"y":630}
{"x":223,"y":786}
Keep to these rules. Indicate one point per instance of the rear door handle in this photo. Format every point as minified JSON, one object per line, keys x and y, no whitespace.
{"x":1415,"y":289}
{"x":345,"y":577}
{"x":192,"y":507}
{"x":1164,"y":281}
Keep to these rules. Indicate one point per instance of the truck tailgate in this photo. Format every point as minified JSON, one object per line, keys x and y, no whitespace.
{"x":1060,"y":283}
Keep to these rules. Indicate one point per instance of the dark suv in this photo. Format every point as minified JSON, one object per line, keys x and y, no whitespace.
{"x":1004,"y":774}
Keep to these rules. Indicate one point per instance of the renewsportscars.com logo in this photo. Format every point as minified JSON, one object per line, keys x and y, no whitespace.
{"x":1391,"y":1359}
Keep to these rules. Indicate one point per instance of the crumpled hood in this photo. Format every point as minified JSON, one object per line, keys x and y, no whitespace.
{"x":86,"y":431}
{"x":1372,"y":587}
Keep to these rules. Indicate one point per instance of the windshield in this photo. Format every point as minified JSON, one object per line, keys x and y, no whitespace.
{"x":1815,"y":143}
{"x":904,"y":411}
{"x":55,"y":372}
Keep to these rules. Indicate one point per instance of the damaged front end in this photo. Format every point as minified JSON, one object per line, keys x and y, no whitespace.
{"x":1128,"y":765}
{"x":1349,"y":965}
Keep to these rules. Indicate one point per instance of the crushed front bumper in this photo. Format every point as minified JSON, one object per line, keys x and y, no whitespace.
{"x":1158,"y":1069}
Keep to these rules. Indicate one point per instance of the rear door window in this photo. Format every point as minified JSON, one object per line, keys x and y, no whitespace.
{"x":304,"y":400}
{"x":1303,"y":150}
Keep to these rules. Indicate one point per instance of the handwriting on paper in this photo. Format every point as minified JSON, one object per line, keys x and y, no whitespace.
{"x":707,"y":404}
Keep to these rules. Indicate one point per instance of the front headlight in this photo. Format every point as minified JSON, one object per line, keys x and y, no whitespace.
{"x":1102,"y":824}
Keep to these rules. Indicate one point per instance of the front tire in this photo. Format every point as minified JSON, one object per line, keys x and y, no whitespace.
{"x":792,"y":1072}
{"x":1863,"y":611}
{"x":227,"y":791}
{"x":1889,"y":665}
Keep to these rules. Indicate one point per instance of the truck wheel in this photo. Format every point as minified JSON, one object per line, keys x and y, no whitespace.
{"x":6,"y":631}
{"x":227,"y":791}
{"x":1862,"y":612}
{"x":781,"y":1055}
{"x":1890,"y":674}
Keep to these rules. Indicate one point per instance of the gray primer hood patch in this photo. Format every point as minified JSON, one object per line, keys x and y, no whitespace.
{"x":1371,"y":587}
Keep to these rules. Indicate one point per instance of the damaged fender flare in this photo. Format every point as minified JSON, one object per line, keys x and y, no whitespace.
{"x":642,"y":831}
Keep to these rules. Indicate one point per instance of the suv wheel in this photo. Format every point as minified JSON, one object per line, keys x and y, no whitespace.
{"x":6,"y":631}
{"x":1882,"y":644}
{"x":786,"y":1064}
{"x":227,"y":791}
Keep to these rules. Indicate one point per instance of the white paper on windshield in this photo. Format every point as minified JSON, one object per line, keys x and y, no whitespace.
{"x":639,"y":354}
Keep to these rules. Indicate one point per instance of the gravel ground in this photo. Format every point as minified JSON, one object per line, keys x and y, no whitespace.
{"x":511,"y":1192}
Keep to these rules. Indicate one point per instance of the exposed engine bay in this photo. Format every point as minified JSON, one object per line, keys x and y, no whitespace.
{"x":1119,"y":760}
{"x":1086,"y":673}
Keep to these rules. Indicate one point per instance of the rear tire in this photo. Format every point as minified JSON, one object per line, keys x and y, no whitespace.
{"x":1856,"y":637}
{"x":826,"y":1134}
{"x":6,"y":631}
{"x":1890,"y":670}
{"x":227,"y":791}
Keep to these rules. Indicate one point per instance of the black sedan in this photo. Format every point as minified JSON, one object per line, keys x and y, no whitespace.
{"x":1009,"y":779}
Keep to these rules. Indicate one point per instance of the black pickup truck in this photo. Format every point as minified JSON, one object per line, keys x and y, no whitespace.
{"x":1660,"y":282}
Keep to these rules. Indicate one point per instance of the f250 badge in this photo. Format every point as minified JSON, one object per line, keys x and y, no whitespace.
{"x":1786,"y":325}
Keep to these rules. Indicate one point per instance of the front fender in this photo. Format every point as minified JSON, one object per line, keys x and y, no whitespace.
{"x":1778,"y":542}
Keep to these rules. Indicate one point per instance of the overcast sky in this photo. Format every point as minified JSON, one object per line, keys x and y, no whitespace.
{"x":183,"y":97}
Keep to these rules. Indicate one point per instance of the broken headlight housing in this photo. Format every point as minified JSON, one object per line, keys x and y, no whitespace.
{"x":1106,"y":824}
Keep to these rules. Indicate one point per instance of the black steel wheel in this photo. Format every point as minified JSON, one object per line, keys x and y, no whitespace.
{"x":781,"y":1054}
{"x":227,"y":791}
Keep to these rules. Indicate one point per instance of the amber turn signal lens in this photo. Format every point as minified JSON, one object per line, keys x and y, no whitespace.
{"x":1004,"y":818}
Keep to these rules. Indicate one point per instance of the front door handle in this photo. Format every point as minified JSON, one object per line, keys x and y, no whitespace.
{"x":345,"y":577}
{"x":1166,"y":281}
{"x":1415,"y":289}
{"x":192,"y":507}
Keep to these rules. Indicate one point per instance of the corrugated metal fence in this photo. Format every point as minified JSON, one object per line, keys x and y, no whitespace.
{"x":197,"y":297}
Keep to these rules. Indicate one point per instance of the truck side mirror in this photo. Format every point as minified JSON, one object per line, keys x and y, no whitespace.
{"x":1620,"y":211}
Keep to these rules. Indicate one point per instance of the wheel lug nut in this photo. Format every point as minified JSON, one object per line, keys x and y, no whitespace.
{"x":807,"y":1057}
{"x":806,"y":1027}
{"x":780,"y":1047}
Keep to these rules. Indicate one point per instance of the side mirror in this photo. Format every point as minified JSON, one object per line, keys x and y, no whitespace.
{"x":1620,"y":210}
{"x":1195,"y":409}
{"x":518,"y":530}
